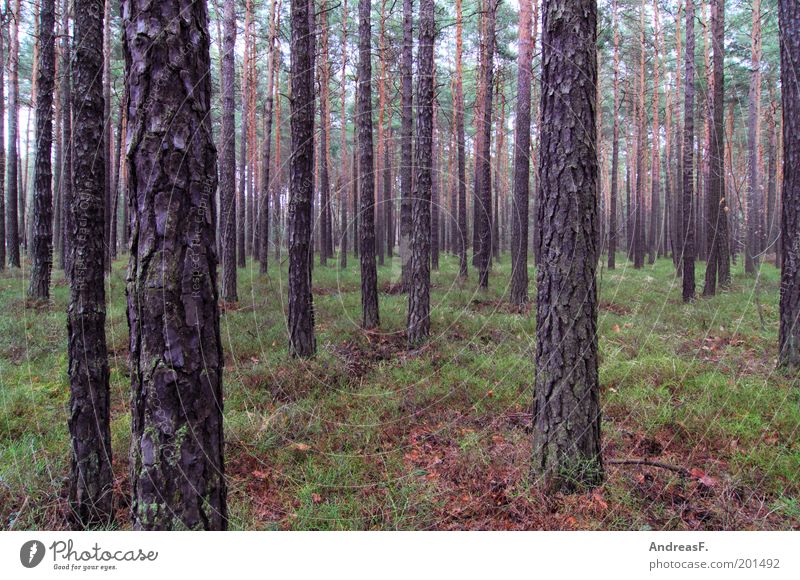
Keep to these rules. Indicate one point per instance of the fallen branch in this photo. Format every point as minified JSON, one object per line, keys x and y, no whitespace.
{"x":683,"y":472}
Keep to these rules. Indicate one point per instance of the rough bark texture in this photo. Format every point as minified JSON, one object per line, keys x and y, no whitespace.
{"x":369,"y":275}
{"x":89,"y":406}
{"x":419,"y":301}
{"x":66,"y":134}
{"x":176,"y":463}
{"x":42,"y":242}
{"x":227,"y":169}
{"x":484,"y":162}
{"x":302,"y":342}
{"x":263,"y":218}
{"x":717,"y":252}
{"x":108,"y":135}
{"x":3,"y":144}
{"x":687,"y":211}
{"x":406,"y":136}
{"x":522,"y":161}
{"x":789,"y":337}
{"x":567,"y":391}
{"x":12,"y":182}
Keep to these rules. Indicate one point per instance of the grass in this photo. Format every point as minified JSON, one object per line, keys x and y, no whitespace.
{"x":368,"y":435}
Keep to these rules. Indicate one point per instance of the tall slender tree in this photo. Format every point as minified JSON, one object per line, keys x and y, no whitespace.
{"x":42,"y":246}
{"x":227,"y":170}
{"x":366,"y":190}
{"x":302,"y":342}
{"x":12,"y":181}
{"x":522,"y":160}
{"x":687,"y":211}
{"x":612,"y":214}
{"x":3,"y":21}
{"x":789,"y":333}
{"x":419,"y":302}
{"x":177,"y":466}
{"x":566,"y":413}
{"x":89,"y":419}
{"x":267,"y":146}
{"x":484,"y":163}
{"x":461,"y":145}
{"x":406,"y":136}
{"x":754,"y":202}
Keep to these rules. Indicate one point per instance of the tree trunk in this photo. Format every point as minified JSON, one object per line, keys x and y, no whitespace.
{"x":177,"y":467}
{"x":326,"y":251}
{"x":267,"y":146}
{"x":91,"y":478}
{"x":343,"y":175}
{"x":406,"y":135}
{"x":419,"y":307}
{"x":42,"y":243}
{"x":66,"y":135}
{"x":302,"y":342}
{"x":3,"y":144}
{"x":227,"y":171}
{"x":639,"y":228}
{"x":484,"y":164}
{"x":461,"y":146}
{"x":366,"y":172}
{"x":687,"y":210}
{"x":566,"y":415}
{"x":522,"y":150}
{"x":12,"y":185}
{"x":108,"y":135}
{"x":655,"y":167}
{"x":754,"y":201}
{"x":612,"y":215}
{"x":789,"y":336}
{"x":718,"y":253}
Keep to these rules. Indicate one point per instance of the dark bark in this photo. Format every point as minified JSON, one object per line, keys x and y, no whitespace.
{"x":687,"y":210}
{"x":177,"y":467}
{"x":419,"y":302}
{"x":3,"y":20}
{"x":108,"y":135}
{"x":755,"y":204}
{"x":366,"y":172}
{"x":387,"y":195}
{"x":613,"y":194}
{"x":789,"y":336}
{"x":302,"y":342}
{"x":241,"y":201}
{"x":406,"y":135}
{"x":89,"y":406}
{"x":12,"y":180}
{"x":227,"y":170}
{"x":42,"y":243}
{"x":522,"y":160}
{"x":566,"y":438}
{"x":717,"y":252}
{"x":484,"y":163}
{"x":266,"y":161}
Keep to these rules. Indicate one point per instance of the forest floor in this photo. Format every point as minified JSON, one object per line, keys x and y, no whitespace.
{"x":369,"y":435}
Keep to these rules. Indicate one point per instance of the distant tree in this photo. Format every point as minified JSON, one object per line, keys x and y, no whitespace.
{"x":366,"y":171}
{"x":177,"y":467}
{"x":90,"y":492}
{"x":566,"y":412}
{"x":227,"y":170}
{"x":789,"y":336}
{"x":522,"y":160}
{"x":42,"y":246}
{"x":419,"y":301}
{"x":612,"y":214}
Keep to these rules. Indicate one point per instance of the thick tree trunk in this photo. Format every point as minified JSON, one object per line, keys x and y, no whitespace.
{"x":566,"y":417}
{"x":42,"y":243}
{"x":687,"y":210}
{"x":227,"y":173}
{"x":789,"y":336}
{"x":522,"y":160}
{"x":12,"y":181}
{"x":419,"y":306}
{"x":177,"y":467}
{"x":302,"y":342}
{"x":369,"y":275}
{"x":90,"y":434}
